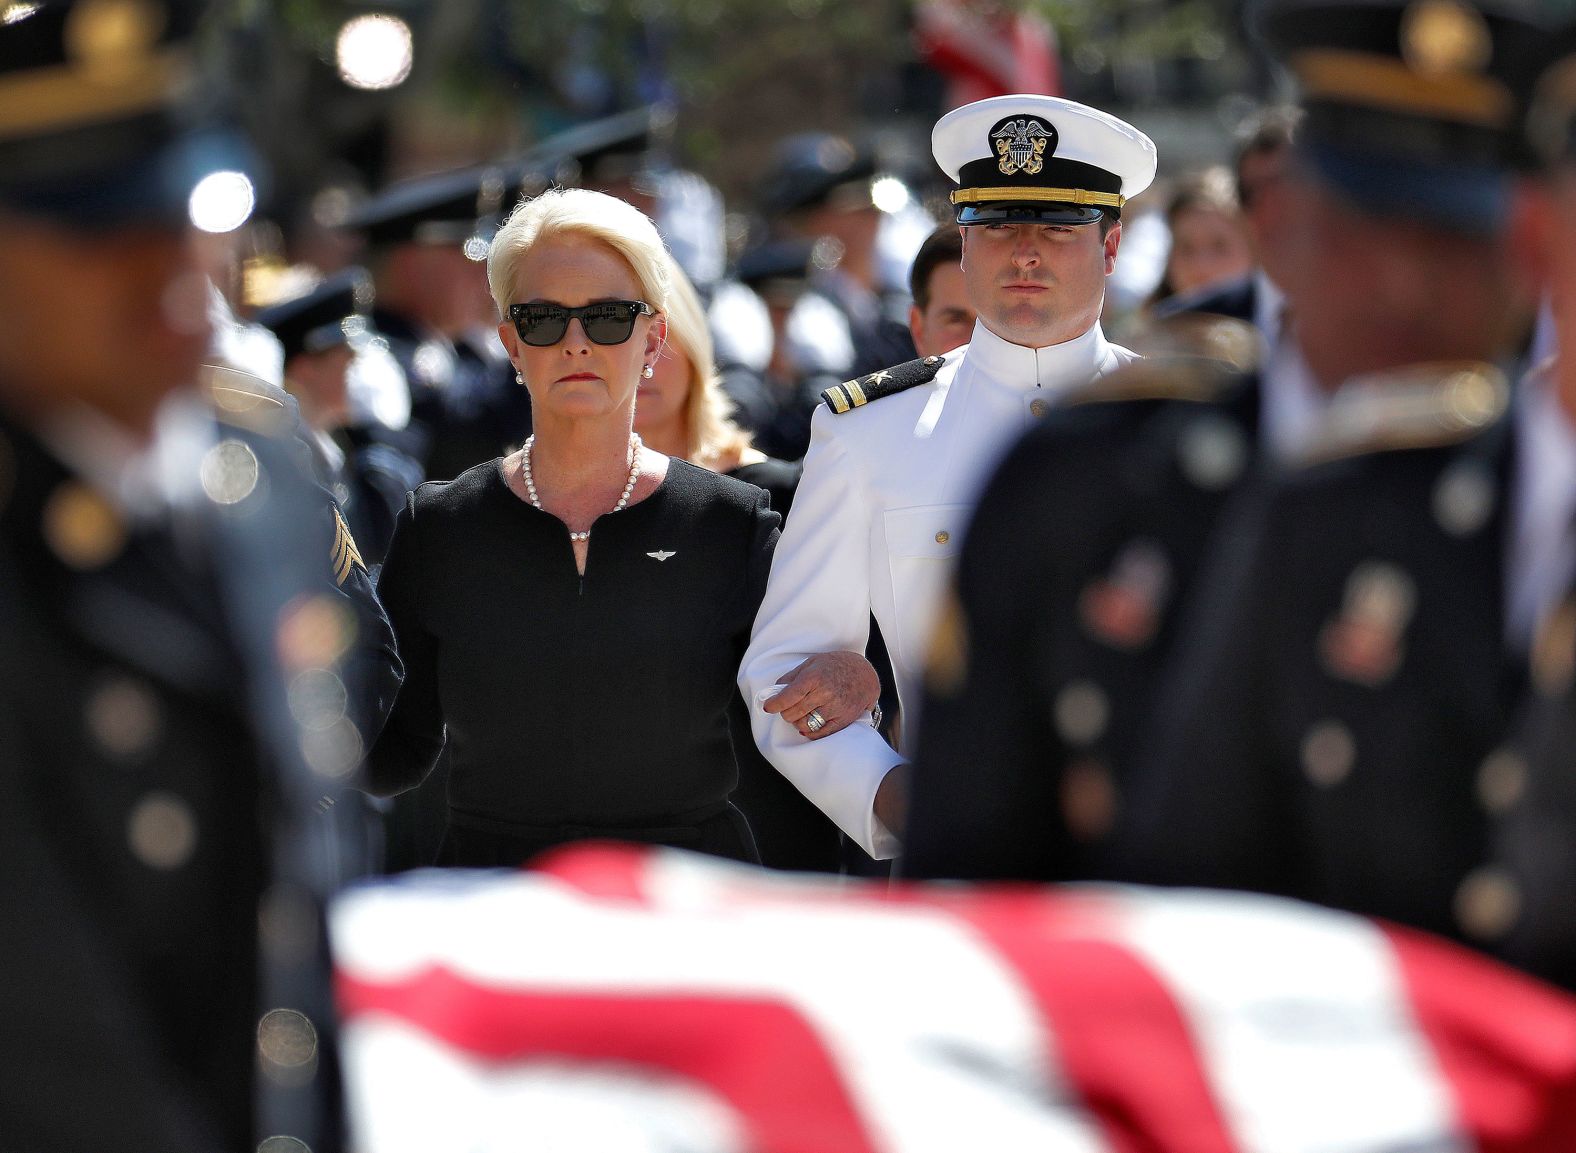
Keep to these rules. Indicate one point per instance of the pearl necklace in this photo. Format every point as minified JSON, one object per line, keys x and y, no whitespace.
{"x":629,"y":486}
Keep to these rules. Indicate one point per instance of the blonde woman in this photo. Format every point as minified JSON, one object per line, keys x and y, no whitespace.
{"x":682,"y":410}
{"x":572,"y":616}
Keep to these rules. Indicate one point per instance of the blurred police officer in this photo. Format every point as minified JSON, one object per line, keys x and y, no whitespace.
{"x":897,"y":458}
{"x":319,"y":332}
{"x":1359,"y":637}
{"x":171,"y":704}
{"x":426,"y":238}
{"x":1522,"y":894}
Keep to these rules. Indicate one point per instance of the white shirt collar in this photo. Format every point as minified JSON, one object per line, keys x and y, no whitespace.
{"x":1056,"y":366}
{"x":142,"y":480}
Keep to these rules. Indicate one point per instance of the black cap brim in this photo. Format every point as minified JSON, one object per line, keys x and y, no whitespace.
{"x":1031,"y":213}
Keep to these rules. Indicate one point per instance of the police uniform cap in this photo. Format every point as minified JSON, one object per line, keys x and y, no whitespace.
{"x":331,"y":314}
{"x":605,"y":151}
{"x":1040,"y":159}
{"x":102,"y":117}
{"x":778,"y":269}
{"x":444,"y":208}
{"x":812,"y":169}
{"x":1412,"y":107}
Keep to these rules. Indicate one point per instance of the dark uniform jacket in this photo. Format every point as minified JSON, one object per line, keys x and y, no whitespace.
{"x":1345,"y":674}
{"x":1082,"y":549}
{"x":161,"y":788}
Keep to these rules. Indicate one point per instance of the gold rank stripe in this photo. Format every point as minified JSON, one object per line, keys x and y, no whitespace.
{"x":855,"y":393}
{"x":1384,"y":82}
{"x":838,"y":399}
{"x":344,"y":556}
{"x":1056,"y":195}
{"x":66,"y":96}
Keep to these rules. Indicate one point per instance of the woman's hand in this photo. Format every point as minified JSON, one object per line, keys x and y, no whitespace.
{"x":839,"y":688}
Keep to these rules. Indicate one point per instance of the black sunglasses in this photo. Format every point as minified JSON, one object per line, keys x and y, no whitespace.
{"x":605,"y":322}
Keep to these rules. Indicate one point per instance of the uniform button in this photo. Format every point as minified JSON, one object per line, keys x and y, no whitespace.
{"x":1464,"y":499}
{"x":315,"y":633}
{"x":1088,"y":800}
{"x":287,"y":1044}
{"x":1488,"y":903}
{"x":1328,"y":753}
{"x":284,"y":1145}
{"x":1038,"y":408}
{"x":124,"y":717}
{"x":943,"y":536}
{"x":1082,"y":711}
{"x":333,"y":752}
{"x":1502,"y":781}
{"x":1212,"y":453}
{"x":162,"y":831}
{"x":230,"y":472}
{"x":82,"y":528}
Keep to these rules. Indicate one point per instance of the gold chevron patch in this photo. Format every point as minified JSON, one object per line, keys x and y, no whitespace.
{"x":343,"y":557}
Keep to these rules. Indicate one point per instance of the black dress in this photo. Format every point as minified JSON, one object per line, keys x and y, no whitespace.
{"x":575,"y":706}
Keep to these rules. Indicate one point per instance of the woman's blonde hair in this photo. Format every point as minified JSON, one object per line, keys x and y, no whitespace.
{"x":592,"y":215}
{"x":708,"y":413}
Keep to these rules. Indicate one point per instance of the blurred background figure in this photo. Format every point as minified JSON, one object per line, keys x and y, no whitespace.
{"x":806,"y":343}
{"x":822,"y":188}
{"x":425,"y":239}
{"x":1209,"y":238}
{"x":320,"y":333}
{"x":941,"y":316}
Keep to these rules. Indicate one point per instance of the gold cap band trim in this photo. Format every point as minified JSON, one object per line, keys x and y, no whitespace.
{"x":1384,"y":82}
{"x":67,"y":96}
{"x":1056,"y":195}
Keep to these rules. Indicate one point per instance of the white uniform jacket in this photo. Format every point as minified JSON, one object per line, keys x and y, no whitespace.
{"x":888,"y":490}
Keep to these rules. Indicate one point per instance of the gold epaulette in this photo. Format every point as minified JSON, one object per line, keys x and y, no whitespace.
{"x":1422,"y":406}
{"x":852,"y":394}
{"x":244,"y":399}
{"x":1196,"y":378}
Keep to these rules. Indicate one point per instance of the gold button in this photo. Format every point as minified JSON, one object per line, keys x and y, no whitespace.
{"x":943,"y":536}
{"x":162,"y":830}
{"x":1089,"y":800}
{"x":1038,"y":408}
{"x":124,"y":717}
{"x":82,"y":527}
{"x":1328,"y":753}
{"x":1488,"y":903}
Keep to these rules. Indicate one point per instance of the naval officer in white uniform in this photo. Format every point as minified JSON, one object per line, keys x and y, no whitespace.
{"x":889,"y":487}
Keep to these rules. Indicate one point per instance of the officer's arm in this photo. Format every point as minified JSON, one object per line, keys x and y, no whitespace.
{"x":818,"y":601}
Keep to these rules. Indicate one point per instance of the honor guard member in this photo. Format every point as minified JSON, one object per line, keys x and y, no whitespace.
{"x":1349,"y":665}
{"x":426,"y":239}
{"x":171,"y":699}
{"x":319,"y":332}
{"x":897,"y":458}
{"x":1519,"y":900}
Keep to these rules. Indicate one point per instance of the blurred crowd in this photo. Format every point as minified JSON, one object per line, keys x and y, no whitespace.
{"x":1087,"y":520}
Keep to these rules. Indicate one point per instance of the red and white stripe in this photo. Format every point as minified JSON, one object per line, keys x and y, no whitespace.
{"x":617,"y":998}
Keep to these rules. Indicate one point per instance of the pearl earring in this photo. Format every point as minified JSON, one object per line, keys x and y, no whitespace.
{"x":648,"y":372}
{"x":518,"y":378}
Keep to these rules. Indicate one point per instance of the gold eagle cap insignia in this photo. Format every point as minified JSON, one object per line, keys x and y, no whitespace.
{"x":1020,"y":146}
